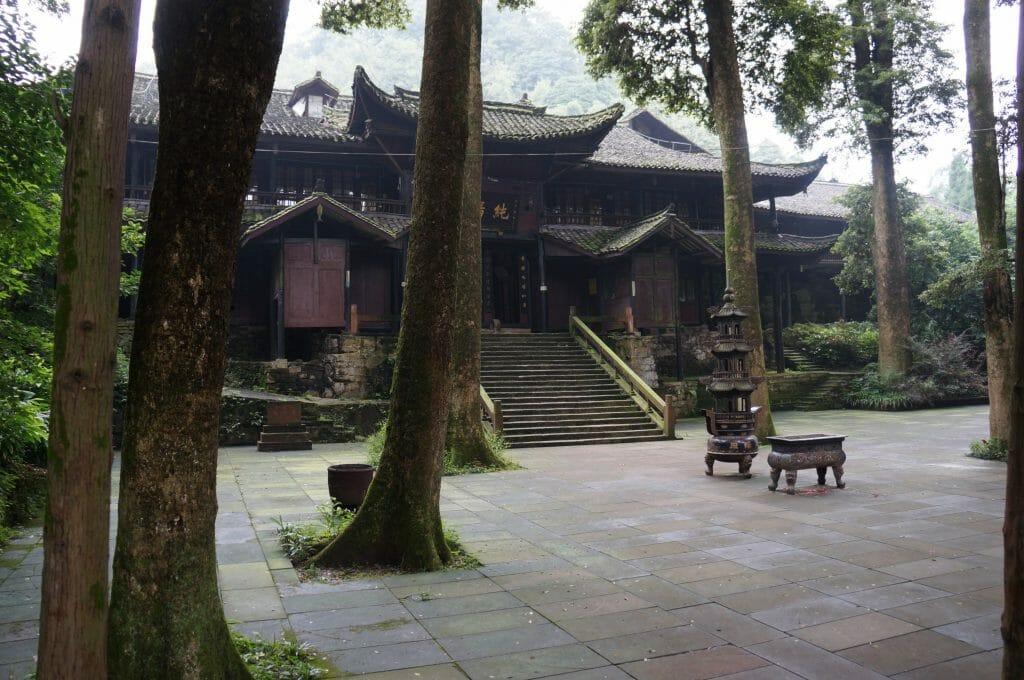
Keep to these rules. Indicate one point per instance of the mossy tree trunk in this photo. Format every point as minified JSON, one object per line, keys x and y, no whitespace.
{"x":989,"y":206}
{"x":399,"y":522}
{"x":76,"y":535}
{"x":1013,"y":524}
{"x":726,"y":94}
{"x":216,"y":61}
{"x":873,"y":58}
{"x":466,"y":443}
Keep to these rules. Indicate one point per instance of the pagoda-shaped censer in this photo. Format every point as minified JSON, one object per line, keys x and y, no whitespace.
{"x":731,"y":422}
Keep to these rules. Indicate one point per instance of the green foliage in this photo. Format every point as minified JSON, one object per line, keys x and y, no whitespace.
{"x":302,"y":541}
{"x":943,"y":369}
{"x":245,"y":375}
{"x":461,"y":558}
{"x":133,"y":237}
{"x":277,"y":660}
{"x":844,"y":344}
{"x":342,"y":16}
{"x":912,"y":97}
{"x":990,"y":449}
{"x":497,"y":444}
{"x":943,"y":263}
{"x":658,"y":50}
{"x":32,"y":160}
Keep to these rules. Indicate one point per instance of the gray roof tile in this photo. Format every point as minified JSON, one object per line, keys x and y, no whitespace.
{"x":624,"y":147}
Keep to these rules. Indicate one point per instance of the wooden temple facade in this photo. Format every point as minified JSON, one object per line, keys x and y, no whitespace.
{"x":617,"y":216}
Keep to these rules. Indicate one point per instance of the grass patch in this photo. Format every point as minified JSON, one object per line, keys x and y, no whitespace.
{"x":495,"y":442}
{"x":278,"y":660}
{"x":989,"y":449}
{"x":300,"y":542}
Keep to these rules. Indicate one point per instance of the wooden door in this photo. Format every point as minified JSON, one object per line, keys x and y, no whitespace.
{"x":314,"y":288}
{"x":654,"y":274}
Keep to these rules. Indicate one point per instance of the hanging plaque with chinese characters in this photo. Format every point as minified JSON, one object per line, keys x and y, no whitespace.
{"x":499,"y":212}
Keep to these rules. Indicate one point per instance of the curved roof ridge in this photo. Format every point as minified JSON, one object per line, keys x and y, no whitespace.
{"x":503,"y":121}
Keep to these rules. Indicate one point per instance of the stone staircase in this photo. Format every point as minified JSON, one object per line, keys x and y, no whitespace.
{"x":554,"y":394}
{"x":823,"y":396}
{"x":801,"y":361}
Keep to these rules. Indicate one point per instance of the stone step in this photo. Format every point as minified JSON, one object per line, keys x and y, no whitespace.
{"x":587,"y":441}
{"x":534,"y":379}
{"x":552,"y":392}
{"x":565,"y":438}
{"x":582,"y":388}
{"x":569,"y":411}
{"x":617,"y":397}
{"x":539,"y":370}
{"x":276,"y":437}
{"x":518,"y":424}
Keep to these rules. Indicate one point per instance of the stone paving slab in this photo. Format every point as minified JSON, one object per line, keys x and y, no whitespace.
{"x":635,"y":565}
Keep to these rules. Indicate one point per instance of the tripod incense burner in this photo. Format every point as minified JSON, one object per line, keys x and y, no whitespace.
{"x":731,"y":423}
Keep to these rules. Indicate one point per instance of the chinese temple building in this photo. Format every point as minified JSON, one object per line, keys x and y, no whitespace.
{"x":603,"y":212}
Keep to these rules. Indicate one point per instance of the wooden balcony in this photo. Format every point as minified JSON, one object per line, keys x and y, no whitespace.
{"x":261,"y":204}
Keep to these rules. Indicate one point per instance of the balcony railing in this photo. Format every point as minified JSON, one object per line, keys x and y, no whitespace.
{"x":265,"y":203}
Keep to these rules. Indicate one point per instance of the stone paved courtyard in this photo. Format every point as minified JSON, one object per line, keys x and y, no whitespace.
{"x":626,"y":561}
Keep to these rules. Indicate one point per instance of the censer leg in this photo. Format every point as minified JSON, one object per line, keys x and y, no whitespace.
{"x":837,"y":471}
{"x":710,"y":462}
{"x":791,"y":482}
{"x":775,"y":479}
{"x":745,"y":463}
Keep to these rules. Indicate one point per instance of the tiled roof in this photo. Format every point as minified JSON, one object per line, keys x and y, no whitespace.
{"x":279,"y":120}
{"x":604,"y":241}
{"x":520,"y":122}
{"x":779,"y":243}
{"x":824,"y":199}
{"x":819,"y":199}
{"x":624,"y":147}
{"x":383,"y":225}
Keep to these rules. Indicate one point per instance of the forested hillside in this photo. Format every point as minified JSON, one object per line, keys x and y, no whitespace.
{"x":524,"y":52}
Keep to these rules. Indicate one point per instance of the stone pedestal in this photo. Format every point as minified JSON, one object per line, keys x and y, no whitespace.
{"x":283,"y":429}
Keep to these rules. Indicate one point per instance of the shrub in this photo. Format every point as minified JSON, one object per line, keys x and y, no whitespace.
{"x":989,"y":449}
{"x":844,"y":344}
{"x":24,"y":408}
{"x":944,"y":369}
{"x":302,"y":541}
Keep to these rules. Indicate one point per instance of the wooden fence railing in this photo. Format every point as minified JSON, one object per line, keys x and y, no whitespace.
{"x":356,"y":319}
{"x":493,"y":411}
{"x":661,"y":411}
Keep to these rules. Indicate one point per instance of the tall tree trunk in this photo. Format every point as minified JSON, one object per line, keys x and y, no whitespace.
{"x":1013,"y":524}
{"x":873,"y":56}
{"x":988,"y":202}
{"x":466,"y":443}
{"x":399,"y":523}
{"x":726,"y":91}
{"x":216,"y":61}
{"x":76,"y":536}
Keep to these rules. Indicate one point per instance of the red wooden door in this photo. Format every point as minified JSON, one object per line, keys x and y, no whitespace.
{"x":314,"y":290}
{"x":655,"y":290}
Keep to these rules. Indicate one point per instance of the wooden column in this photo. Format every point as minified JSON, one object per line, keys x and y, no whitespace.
{"x":780,"y":358}
{"x":279,"y":352}
{"x":348,"y":280}
{"x":789,"y":300}
{"x":543,"y":285}
{"x":675,"y":313}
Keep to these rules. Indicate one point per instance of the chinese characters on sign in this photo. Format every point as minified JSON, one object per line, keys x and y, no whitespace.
{"x":499,"y":212}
